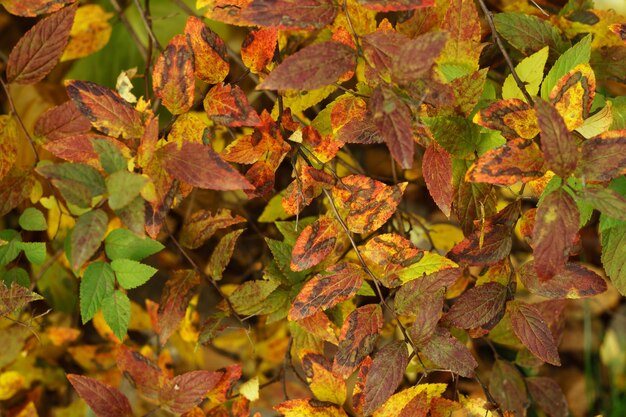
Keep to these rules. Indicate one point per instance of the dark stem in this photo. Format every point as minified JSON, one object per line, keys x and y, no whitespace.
{"x":5,"y":87}
{"x":490,"y":398}
{"x":118,"y":9}
{"x":148,"y":24}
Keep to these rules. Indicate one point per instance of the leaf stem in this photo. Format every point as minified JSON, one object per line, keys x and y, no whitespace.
{"x":5,"y":87}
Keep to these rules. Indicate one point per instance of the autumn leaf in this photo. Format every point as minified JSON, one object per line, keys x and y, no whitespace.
{"x":308,"y":407}
{"x":39,"y":50}
{"x":257,"y":50}
{"x":325,"y":385}
{"x":385,"y":374}
{"x":210,"y":56}
{"x":532,"y":330}
{"x":428,"y":310}
{"x":15,"y":187}
{"x":87,"y":236}
{"x":437,"y":170}
{"x":327,"y":289}
{"x":314,"y":244}
{"x":8,"y":144}
{"x":573,"y":95}
{"x":228,"y":105}
{"x":183,"y":392}
{"x":547,"y":394}
{"x":103,"y":399}
{"x":507,"y":385}
{"x":394,"y":406}
{"x":558,"y":146}
{"x":312,"y":67}
{"x":573,"y":281}
{"x":173,"y":78}
{"x":358,"y":336}
{"x":61,"y":121}
{"x":222,"y":253}
{"x":387,"y":255}
{"x":395,"y":5}
{"x":178,"y":291}
{"x":90,"y":32}
{"x":144,"y":374}
{"x":201,"y":225}
{"x":478,"y":306}
{"x":514,"y":118}
{"x":448,"y":352}
{"x":602,"y":157}
{"x":15,"y":297}
{"x":32,"y":8}
{"x":291,"y":14}
{"x":415,"y":57}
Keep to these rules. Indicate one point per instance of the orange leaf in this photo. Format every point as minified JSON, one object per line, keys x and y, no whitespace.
{"x":143,"y":374}
{"x":228,"y":105}
{"x":325,"y":385}
{"x":183,"y":392}
{"x":395,"y":5}
{"x":314,"y":243}
{"x":173,"y":78}
{"x":513,"y":118}
{"x":39,"y":50}
{"x":437,"y":169}
{"x":32,"y":8}
{"x":308,"y":408}
{"x":209,"y":52}
{"x":62,"y":121}
{"x":291,"y":14}
{"x":257,"y":50}
{"x":387,"y":254}
{"x":573,"y":95}
{"x":201,"y":225}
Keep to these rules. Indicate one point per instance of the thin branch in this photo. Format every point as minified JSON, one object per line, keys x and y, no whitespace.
{"x":147,"y":21}
{"x":142,"y":48}
{"x":507,"y":58}
{"x":148,"y":70}
{"x":5,"y":87}
{"x":490,"y":398}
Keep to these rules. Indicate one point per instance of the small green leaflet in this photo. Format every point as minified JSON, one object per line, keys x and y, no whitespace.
{"x":110,"y":156}
{"x":35,"y":251}
{"x":132,"y":274}
{"x":98,"y":283}
{"x":124,"y":244}
{"x":116,"y":311}
{"x":33,"y":220}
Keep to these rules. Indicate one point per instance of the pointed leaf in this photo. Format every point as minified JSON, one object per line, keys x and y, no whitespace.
{"x":178,"y":291}
{"x":385,"y":375}
{"x":116,"y":311}
{"x":312,"y":67}
{"x":62,"y":121}
{"x":574,"y":281}
{"x":573,"y":95}
{"x":437,"y":169}
{"x":416,"y":56}
{"x":201,"y":225}
{"x":222,"y":253}
{"x":532,"y":330}
{"x":387,"y":255}
{"x":428,"y":311}
{"x":578,"y":54}
{"x":32,"y":8}
{"x":8,"y":144}
{"x":447,"y":352}
{"x":86,"y":236}
{"x":209,"y":52}
{"x":395,"y":406}
{"x":124,"y":244}
{"x":15,"y":187}
{"x":143,"y":374}
{"x":558,"y":146}
{"x":508,"y":388}
{"x":314,"y":243}
{"x":547,"y":394}
{"x":514,"y":118}
{"x":257,"y":50}
{"x":173,"y":78}
{"x":123,"y":187}
{"x":395,"y":5}
{"x":478,"y":306}
{"x":228,"y":105}
{"x":291,"y":14}
{"x":98,"y":283}
{"x":185,"y":391}
{"x":103,"y":399}
{"x":604,"y":156}
{"x":529,"y":33}
{"x":131,"y":274}
{"x":39,"y":50}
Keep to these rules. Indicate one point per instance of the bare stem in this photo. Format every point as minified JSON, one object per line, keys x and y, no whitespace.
{"x":147,"y":21}
{"x":5,"y":87}
{"x":142,"y":48}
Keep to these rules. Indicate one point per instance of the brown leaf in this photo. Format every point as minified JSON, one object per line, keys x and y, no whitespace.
{"x":32,"y":8}
{"x":257,"y":50}
{"x":201,"y":225}
{"x":143,"y":374}
{"x":393,"y":120}
{"x":15,"y":297}
{"x":556,"y":226}
{"x":408,"y":297}
{"x":533,"y":331}
{"x":416,"y":56}
{"x":62,"y":121}
{"x":428,"y":311}
{"x":558,"y":146}
{"x":447,"y":352}
{"x":603,"y":157}
{"x":228,"y":105}
{"x":395,"y":5}
{"x":291,"y":14}
{"x":103,"y":399}
{"x":327,"y":289}
{"x":547,"y":394}
{"x":105,"y":109}
{"x":86,"y":237}
{"x":210,"y":54}
{"x":385,"y":375}
{"x":518,"y":160}
{"x":312,"y":67}
{"x":381,"y":48}
{"x":508,"y":388}
{"x":357,"y":339}
{"x":39,"y":50}
{"x":514,"y":118}
{"x":8,"y":143}
{"x":573,"y":281}
{"x":173,"y":78}
{"x":178,"y":291}
{"x":185,"y":391}
{"x":222,"y":253}
{"x":478,"y":306}
{"x":15,"y":187}
{"x":437,"y":170}
{"x":200,"y":166}
{"x":314,"y":243}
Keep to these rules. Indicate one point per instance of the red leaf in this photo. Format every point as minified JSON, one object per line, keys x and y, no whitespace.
{"x":518,"y":160}
{"x":603,"y":157}
{"x":393,"y":120}
{"x":178,"y":291}
{"x":185,"y":391}
{"x":291,"y":14}
{"x":428,"y":310}
{"x":228,"y":105}
{"x":447,"y":352}
{"x":210,"y":55}
{"x":574,"y":281}
{"x":312,"y":67}
{"x":305,"y":188}
{"x":508,"y":388}
{"x":547,"y":394}
{"x":416,"y":56}
{"x":39,"y":50}
{"x":202,"y":224}
{"x":62,"y":121}
{"x":79,"y":148}
{"x":437,"y":169}
{"x":315,"y":243}
{"x":107,"y":111}
{"x":257,"y":50}
{"x":327,"y":289}
{"x":358,"y":393}
{"x":381,"y":48}
{"x":395,"y":5}
{"x":533,"y":331}
{"x":558,"y":146}
{"x":357,"y":339}
{"x":173,"y":78}
{"x":32,"y":8}
{"x":103,"y":399}
{"x":556,"y":226}
{"x":144,"y":375}
{"x":408,"y":297}
{"x":200,"y":166}
{"x":478,"y":306}
{"x":385,"y":375}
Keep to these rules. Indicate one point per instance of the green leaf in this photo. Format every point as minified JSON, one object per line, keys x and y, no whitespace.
{"x":86,"y":237}
{"x":530,"y":71}
{"x":457,"y":135}
{"x":124,"y":244}
{"x":123,"y":187}
{"x":32,"y":219}
{"x":98,"y":283}
{"x":577,"y":54}
{"x":8,"y":246}
{"x":116,"y":311}
{"x":110,"y":156}
{"x":18,"y":275}
{"x":78,"y":183}
{"x":132,"y":274}
{"x":613,"y":239}
{"x":222,"y":253}
{"x":35,"y":251}
{"x":584,"y":208}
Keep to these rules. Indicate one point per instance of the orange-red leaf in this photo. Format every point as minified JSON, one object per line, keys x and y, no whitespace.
{"x":209,"y":52}
{"x":533,"y":331}
{"x":228,"y":105}
{"x":185,"y":391}
{"x":39,"y":50}
{"x":15,"y":188}
{"x":178,"y":291}
{"x":478,"y":306}
{"x":304,"y":189}
{"x":556,"y":226}
{"x":144,"y":374}
{"x":312,"y":67}
{"x":62,"y":121}
{"x":357,"y":339}
{"x":105,"y":109}
{"x":603,"y":157}
{"x":370,"y":203}
{"x":315,"y":243}
{"x":385,"y":375}
{"x":395,"y":5}
{"x":514,"y":118}
{"x":103,"y":399}
{"x":573,"y":281}
{"x":258,"y":49}
{"x":79,"y":148}
{"x":202,"y":224}
{"x":327,"y":289}
{"x":387,"y":254}
{"x":620,"y":30}
{"x":558,"y":145}
{"x":200,"y":166}
{"x":437,"y":169}
{"x":32,"y":8}
{"x":291,"y":14}
{"x":173,"y":78}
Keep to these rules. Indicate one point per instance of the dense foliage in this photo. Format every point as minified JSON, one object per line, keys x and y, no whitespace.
{"x":312,"y":208}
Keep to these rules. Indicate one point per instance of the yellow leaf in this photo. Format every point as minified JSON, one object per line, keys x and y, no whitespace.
{"x":250,"y":389}
{"x":530,"y":71}
{"x":598,"y":123}
{"x":445,"y":236}
{"x":394,"y":405}
{"x":8,"y":144}
{"x":90,"y":32}
{"x":430,"y":263}
{"x":10,"y":383}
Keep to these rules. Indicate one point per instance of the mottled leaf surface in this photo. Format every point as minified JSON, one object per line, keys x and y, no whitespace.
{"x":573,"y":281}
{"x":315,"y":243}
{"x":173,"y":77}
{"x":532,"y":330}
{"x":558,"y":146}
{"x":62,"y":121}
{"x":547,"y":394}
{"x":385,"y":374}
{"x":210,"y":55}
{"x":178,"y":291}
{"x":478,"y":306}
{"x":228,"y":105}
{"x":448,"y":352}
{"x":291,"y":14}
{"x":103,"y":399}
{"x":183,"y":392}
{"x":437,"y":169}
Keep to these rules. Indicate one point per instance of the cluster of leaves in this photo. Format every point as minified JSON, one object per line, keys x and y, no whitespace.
{"x":348,"y":276}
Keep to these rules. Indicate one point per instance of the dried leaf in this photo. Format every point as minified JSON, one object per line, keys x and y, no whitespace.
{"x":532,"y":330}
{"x":314,"y":244}
{"x":478,"y":306}
{"x":201,"y":225}
{"x":228,"y":105}
{"x":437,"y":170}
{"x":178,"y":291}
{"x":573,"y":281}
{"x":103,"y":399}
{"x":39,"y":50}
{"x":385,"y":374}
{"x":357,"y":339}
{"x":327,"y":289}
{"x":558,"y":146}
{"x":173,"y":78}
{"x":312,"y":67}
{"x":210,"y":54}
{"x":185,"y":391}
{"x":291,"y":14}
